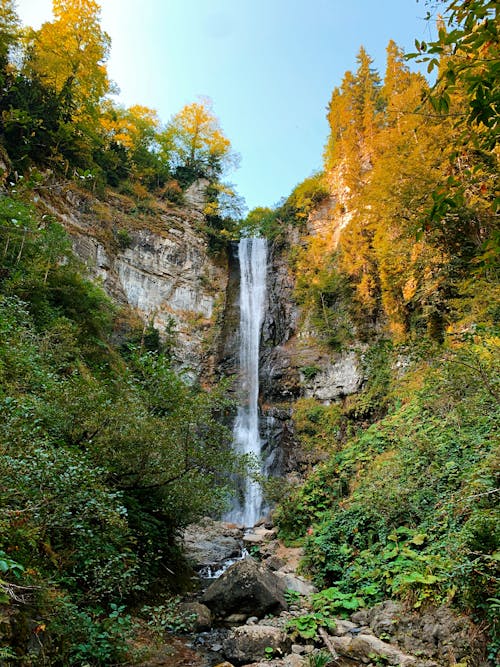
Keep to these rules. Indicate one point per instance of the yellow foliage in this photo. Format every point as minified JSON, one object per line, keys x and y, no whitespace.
{"x":69,"y":54}
{"x":195,"y":135}
{"x":128,"y":127}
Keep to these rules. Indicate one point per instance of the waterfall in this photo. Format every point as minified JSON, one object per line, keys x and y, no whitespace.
{"x":252,"y":253}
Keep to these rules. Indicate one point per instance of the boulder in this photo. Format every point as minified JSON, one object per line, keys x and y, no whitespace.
{"x":368,"y":648}
{"x":288,"y":661}
{"x":200,"y":615}
{"x":436,"y":633}
{"x":245,"y":588}
{"x":295,"y":583}
{"x":249,"y":642}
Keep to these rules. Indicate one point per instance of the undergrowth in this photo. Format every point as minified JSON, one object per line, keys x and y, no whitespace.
{"x":407,"y":507}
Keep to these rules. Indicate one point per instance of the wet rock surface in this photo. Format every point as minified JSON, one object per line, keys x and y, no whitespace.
{"x":210,"y":543}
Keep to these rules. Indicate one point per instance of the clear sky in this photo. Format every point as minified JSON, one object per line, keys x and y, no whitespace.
{"x":269,"y":66}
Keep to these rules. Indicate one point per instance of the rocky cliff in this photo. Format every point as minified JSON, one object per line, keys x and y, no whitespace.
{"x":152,"y":257}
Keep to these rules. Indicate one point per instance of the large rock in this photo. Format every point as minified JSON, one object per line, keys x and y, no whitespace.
{"x":211,"y":542}
{"x":292,"y":660}
{"x":368,"y":648}
{"x":436,"y":633}
{"x":295,"y":583}
{"x":249,"y":642}
{"x":200,"y":617}
{"x":245,"y":588}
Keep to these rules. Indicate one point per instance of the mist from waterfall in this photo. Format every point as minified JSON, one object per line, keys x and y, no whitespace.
{"x":252,"y":253}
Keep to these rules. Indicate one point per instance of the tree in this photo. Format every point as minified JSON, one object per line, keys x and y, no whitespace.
{"x":9,"y":29}
{"x":133,"y":136}
{"x":472,"y":47}
{"x":196,"y":143}
{"x":354,"y":116}
{"x":69,"y":54}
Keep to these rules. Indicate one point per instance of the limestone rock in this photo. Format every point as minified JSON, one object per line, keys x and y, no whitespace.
{"x":343,"y":627}
{"x":248,"y":643}
{"x":245,"y":588}
{"x":259,"y":536}
{"x":436,"y":634}
{"x":164,"y":271}
{"x":295,"y":583}
{"x":337,"y":379}
{"x":196,"y":194}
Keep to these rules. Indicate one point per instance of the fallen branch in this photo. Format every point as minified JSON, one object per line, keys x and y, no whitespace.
{"x":328,"y":643}
{"x":17,"y":593}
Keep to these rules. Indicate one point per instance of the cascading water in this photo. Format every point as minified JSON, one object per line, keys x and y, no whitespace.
{"x":252,"y":253}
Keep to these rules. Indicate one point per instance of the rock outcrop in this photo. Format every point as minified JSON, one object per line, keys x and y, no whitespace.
{"x":209,"y":543}
{"x":154,"y":260}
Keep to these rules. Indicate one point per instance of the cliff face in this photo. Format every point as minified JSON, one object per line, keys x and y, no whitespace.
{"x":156,"y":261}
{"x":293,"y":364}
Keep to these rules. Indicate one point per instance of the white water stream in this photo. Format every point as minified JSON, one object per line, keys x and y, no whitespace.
{"x":252,"y":254}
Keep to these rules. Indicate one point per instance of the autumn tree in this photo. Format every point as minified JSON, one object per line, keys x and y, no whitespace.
{"x":69,"y":54}
{"x":353,"y":117}
{"x":196,"y":143}
{"x":132,"y":144}
{"x":468,"y":34}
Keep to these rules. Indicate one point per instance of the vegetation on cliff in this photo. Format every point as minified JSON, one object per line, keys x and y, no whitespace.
{"x":406,"y":505}
{"x":58,"y":115}
{"x":105,"y":452}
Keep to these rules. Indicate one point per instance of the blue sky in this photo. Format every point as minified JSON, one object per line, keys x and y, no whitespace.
{"x":269,"y":67}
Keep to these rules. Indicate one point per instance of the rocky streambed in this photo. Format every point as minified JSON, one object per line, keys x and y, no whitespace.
{"x":247,"y":609}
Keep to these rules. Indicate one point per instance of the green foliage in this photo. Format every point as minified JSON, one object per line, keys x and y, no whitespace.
{"x":291,"y":596}
{"x":319,"y":659}
{"x":303,"y":199}
{"x":168,"y":617}
{"x":407,"y":508}
{"x":332,"y":602}
{"x":103,"y":457}
{"x":222,"y":209}
{"x":471,"y":60}
{"x":307,"y":625}
{"x":294,"y":210}
{"x":269,"y":652}
{"x":93,"y":636}
{"x":262,"y":221}
{"x":309,"y":372}
{"x":373,"y":401}
{"x":325,"y":293}
{"x":320,"y":427}
{"x":124,"y":239}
